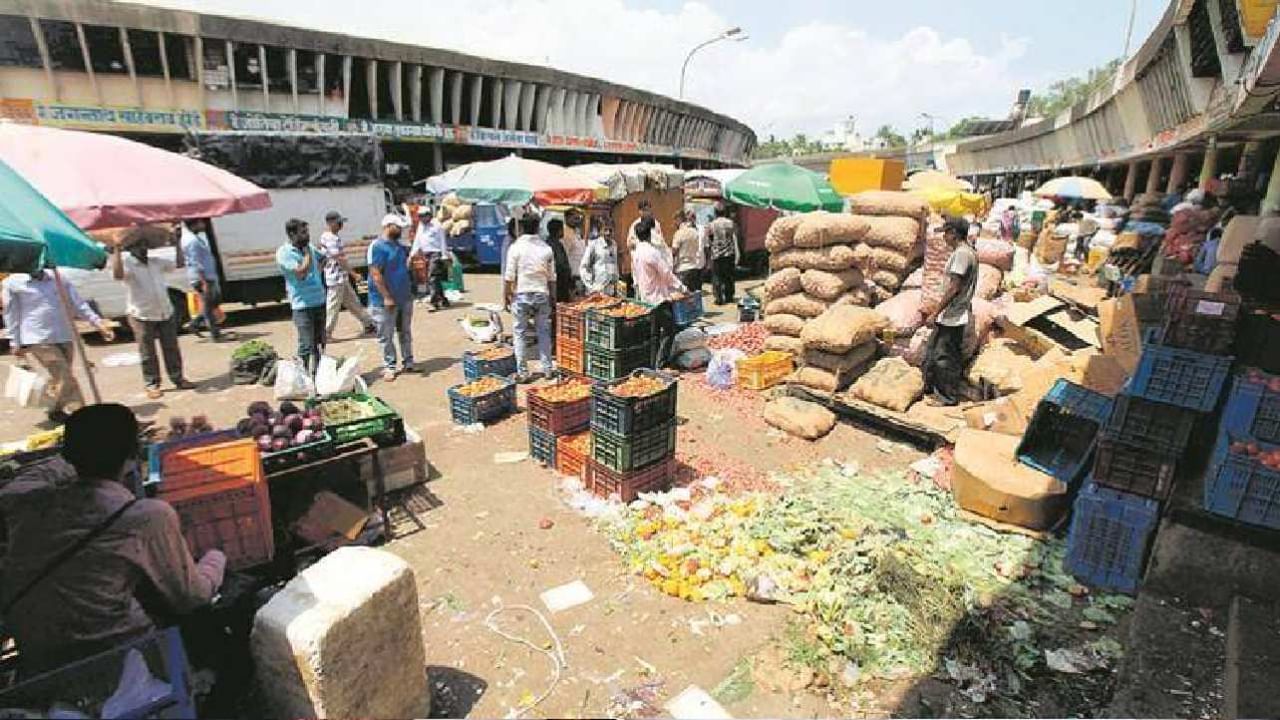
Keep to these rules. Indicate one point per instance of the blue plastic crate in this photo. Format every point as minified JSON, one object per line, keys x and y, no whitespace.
{"x":86,"y":684}
{"x":1242,"y":488}
{"x":688,"y":308}
{"x":542,"y":446}
{"x":1110,"y":535}
{"x":1061,"y":435}
{"x":158,"y":450}
{"x":1252,"y":410}
{"x":482,"y":408}
{"x":474,"y":368}
{"x":1180,"y":377}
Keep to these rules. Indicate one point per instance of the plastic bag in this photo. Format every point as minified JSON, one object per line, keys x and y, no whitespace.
{"x":137,"y":688}
{"x":25,"y":387}
{"x":722,"y":371}
{"x":332,"y":379}
{"x":694,"y":359}
{"x":293,"y":382}
{"x":484,"y":329}
{"x":689,"y":339}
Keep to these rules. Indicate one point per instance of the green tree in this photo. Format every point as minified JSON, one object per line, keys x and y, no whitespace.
{"x":891,"y":137}
{"x":1064,"y":94}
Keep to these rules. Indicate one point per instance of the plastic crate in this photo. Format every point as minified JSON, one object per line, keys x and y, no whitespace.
{"x":483,"y":408}
{"x":1061,"y":435}
{"x":606,"y":365}
{"x":1201,"y":321}
{"x":623,"y":416}
{"x":569,"y":459}
{"x":384,"y":426}
{"x":157,"y":453}
{"x":763,"y":371}
{"x":319,"y":449}
{"x":571,"y":317}
{"x":542,"y":446}
{"x":220,"y":495}
{"x":85,"y":685}
{"x":687,"y":309}
{"x":1110,"y":535}
{"x":636,"y":450}
{"x":569,"y":356}
{"x":1133,"y":468}
{"x":474,"y":367}
{"x":1242,"y":488}
{"x":1179,"y":377}
{"x":1258,"y":340}
{"x":1157,"y":426}
{"x":605,"y":332}
{"x":558,"y":418}
{"x":1252,"y":410}
{"x":606,"y":483}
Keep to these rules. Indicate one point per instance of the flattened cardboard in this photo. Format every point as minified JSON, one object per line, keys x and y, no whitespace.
{"x":988,"y":480}
{"x":1121,"y":332}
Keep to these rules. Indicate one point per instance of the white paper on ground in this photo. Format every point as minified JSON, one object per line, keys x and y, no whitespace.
{"x":566,"y":596}
{"x":693,"y":703}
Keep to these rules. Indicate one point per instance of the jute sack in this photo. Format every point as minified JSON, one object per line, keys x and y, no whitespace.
{"x":896,"y":233}
{"x":989,"y":279}
{"x":996,"y":253}
{"x":799,"y":417}
{"x":886,"y":279}
{"x":821,"y":380}
{"x":889,"y":202}
{"x":783,"y":343}
{"x":820,"y":229}
{"x":782,"y":283}
{"x":828,"y":285}
{"x":782,"y":233}
{"x":797,"y":304}
{"x":859,"y":296}
{"x":842,"y":328}
{"x":852,"y":360}
{"x":914,"y":280}
{"x":783,"y":324}
{"x":886,"y":259}
{"x":905,"y":312}
{"x":833,"y":258}
{"x":891,"y":383}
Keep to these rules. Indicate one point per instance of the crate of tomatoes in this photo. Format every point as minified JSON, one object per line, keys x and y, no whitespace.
{"x":498,"y":360}
{"x":642,"y":401}
{"x":618,"y":327}
{"x":562,"y":408}
{"x":571,"y":317}
{"x":483,"y":400}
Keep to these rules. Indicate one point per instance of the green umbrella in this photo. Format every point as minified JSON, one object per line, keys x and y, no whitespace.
{"x":35,"y":234}
{"x":785,"y":187}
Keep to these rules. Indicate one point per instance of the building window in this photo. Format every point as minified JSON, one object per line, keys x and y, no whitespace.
{"x":64,"y":45}
{"x":144,"y":45}
{"x":278,"y":70}
{"x":105,"y":51}
{"x":333,"y":85}
{"x":18,"y":47}
{"x":248,"y":69}
{"x":177,"y":50}
{"x":216,"y":73}
{"x":307,"y":80}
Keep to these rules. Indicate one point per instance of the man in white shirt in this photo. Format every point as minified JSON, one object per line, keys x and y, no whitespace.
{"x":431,"y":243}
{"x":530,"y":290}
{"x":656,"y":285}
{"x":574,"y":244}
{"x":339,"y":278}
{"x":149,"y":310}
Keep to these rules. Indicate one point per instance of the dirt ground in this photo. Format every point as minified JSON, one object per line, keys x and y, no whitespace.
{"x":482,"y":546}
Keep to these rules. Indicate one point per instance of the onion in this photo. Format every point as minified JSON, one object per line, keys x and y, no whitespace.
{"x":264,"y":442}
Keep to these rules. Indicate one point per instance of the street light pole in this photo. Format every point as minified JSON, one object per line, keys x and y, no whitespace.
{"x":733,"y":33}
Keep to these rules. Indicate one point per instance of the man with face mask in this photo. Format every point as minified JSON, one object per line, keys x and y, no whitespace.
{"x":149,"y":310}
{"x":82,"y":549}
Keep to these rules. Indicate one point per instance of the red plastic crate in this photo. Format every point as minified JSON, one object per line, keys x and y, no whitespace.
{"x":569,"y":459}
{"x":570,"y":355}
{"x":571,"y":317}
{"x":558,"y":418}
{"x":628,"y":485}
{"x":221,"y":498}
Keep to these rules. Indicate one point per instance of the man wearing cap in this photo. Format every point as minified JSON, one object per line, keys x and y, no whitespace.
{"x":431,"y":244}
{"x":149,"y":309}
{"x":339,"y":278}
{"x":300,"y":265}
{"x":391,"y":295}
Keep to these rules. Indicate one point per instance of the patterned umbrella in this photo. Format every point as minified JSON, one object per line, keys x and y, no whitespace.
{"x":1074,"y":187}
{"x":514,"y":180}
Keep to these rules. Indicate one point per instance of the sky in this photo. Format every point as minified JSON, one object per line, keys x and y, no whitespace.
{"x":806,"y":64}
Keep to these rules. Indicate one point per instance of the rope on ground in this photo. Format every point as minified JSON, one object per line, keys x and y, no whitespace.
{"x":556,"y":654}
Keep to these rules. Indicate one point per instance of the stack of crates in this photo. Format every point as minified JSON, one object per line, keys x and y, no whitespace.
{"x":551,"y":419}
{"x":571,"y":331}
{"x":1243,"y":481}
{"x":1060,"y":438}
{"x":633,"y":439}
{"x":614,"y":346}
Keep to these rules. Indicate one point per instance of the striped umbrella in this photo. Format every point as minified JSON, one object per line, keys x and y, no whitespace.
{"x":515,"y":180}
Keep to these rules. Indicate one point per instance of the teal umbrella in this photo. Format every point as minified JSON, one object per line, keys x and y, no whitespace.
{"x":785,"y":187}
{"x":35,"y":234}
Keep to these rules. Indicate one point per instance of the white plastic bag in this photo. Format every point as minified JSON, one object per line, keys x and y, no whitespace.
{"x":137,"y":688}
{"x":293,"y":382}
{"x":485,"y":329}
{"x":331,"y":379}
{"x":693,"y":359}
{"x":25,"y":387}
{"x":722,"y":371}
{"x":688,"y":339}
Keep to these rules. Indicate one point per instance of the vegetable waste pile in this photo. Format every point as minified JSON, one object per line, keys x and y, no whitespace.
{"x":888,"y":580}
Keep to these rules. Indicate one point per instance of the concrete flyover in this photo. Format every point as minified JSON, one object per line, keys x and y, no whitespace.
{"x":123,"y":67}
{"x":1197,"y":101}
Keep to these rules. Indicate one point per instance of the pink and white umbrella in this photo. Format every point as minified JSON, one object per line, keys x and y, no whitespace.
{"x":104,"y":181}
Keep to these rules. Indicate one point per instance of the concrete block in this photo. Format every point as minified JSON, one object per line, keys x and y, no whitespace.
{"x":1208,"y":568}
{"x":344,"y":639}
{"x":1253,"y":660}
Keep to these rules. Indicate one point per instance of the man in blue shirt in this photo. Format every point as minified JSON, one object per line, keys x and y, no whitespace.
{"x":300,"y":264}
{"x":202,"y":273}
{"x":391,"y":295}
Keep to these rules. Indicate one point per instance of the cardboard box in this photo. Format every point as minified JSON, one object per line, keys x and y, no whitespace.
{"x":1121,"y":332}
{"x":988,"y":480}
{"x":1001,"y":415}
{"x":402,"y":466}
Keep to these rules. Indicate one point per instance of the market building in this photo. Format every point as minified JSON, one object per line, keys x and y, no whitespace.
{"x":157,"y":73}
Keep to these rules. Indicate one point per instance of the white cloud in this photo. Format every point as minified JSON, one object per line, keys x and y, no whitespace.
{"x":814,"y":75}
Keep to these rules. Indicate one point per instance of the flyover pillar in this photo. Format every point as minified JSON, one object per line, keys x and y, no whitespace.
{"x":1209,"y":170}
{"x":1131,"y":181}
{"x":1247,"y":170}
{"x":1153,"y":177}
{"x":1178,"y":173}
{"x":1271,"y":203}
